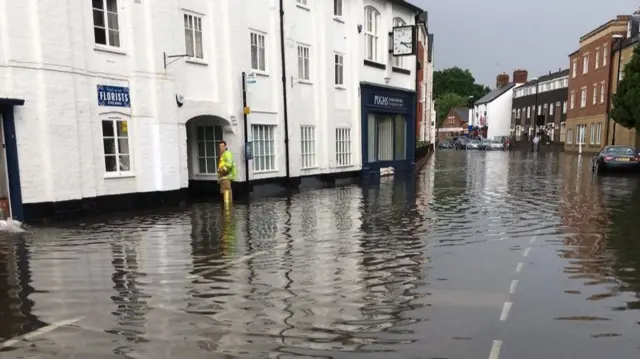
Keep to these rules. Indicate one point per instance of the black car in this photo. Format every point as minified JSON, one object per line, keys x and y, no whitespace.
{"x":616,"y":158}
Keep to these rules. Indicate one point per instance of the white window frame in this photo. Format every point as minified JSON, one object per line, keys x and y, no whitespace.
{"x":573,"y":100}
{"x":583,"y":97}
{"x":563,"y":132}
{"x":121,"y":169}
{"x":598,"y":133}
{"x":258,"y":45}
{"x":372,"y":32}
{"x":108,"y":29}
{"x":574,"y":68}
{"x":539,"y":110}
{"x":192,"y":24}
{"x":338,"y":9}
{"x":528,"y":112}
{"x":594,"y":96}
{"x":605,"y":55}
{"x":564,"y":107}
{"x":592,"y":134}
{"x":398,"y":61}
{"x":338,"y":68}
{"x":304,"y":63}
{"x":597,"y":65}
{"x":551,"y":108}
{"x":602,"y":91}
{"x":582,"y":133}
{"x":303,"y":3}
{"x":263,"y":141}
{"x":570,"y":136}
{"x":206,"y":142}
{"x":585,"y":64}
{"x":308,"y":147}
{"x":344,"y":151}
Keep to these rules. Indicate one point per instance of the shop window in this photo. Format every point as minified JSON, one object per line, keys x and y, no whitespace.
{"x":115,"y":138}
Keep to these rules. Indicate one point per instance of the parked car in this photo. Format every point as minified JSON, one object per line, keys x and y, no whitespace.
{"x":474,"y":145}
{"x":616,"y":158}
{"x":446,"y":144}
{"x":461,"y":143}
{"x":495,"y":145}
{"x":485,"y":144}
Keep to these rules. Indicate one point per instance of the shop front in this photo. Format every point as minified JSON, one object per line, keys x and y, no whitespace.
{"x":388,"y":128}
{"x":10,"y":191}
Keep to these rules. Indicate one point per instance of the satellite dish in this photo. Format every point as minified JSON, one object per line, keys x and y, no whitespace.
{"x":179,"y":100}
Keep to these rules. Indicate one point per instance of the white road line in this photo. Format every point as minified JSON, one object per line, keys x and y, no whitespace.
{"x":526,"y":252}
{"x":519,"y":267}
{"x":495,"y":349}
{"x":513,"y":286}
{"x":533,"y":240}
{"x":505,"y":311}
{"x":39,"y":332}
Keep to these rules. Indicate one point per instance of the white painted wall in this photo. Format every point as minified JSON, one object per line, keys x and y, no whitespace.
{"x":48,"y":57}
{"x":499,"y":115}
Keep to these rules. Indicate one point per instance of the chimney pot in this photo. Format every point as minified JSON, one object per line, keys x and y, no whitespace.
{"x":502,"y":80}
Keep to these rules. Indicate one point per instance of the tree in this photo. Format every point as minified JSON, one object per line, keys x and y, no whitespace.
{"x":458,"y":81}
{"x":446,"y":102}
{"x":626,"y":101}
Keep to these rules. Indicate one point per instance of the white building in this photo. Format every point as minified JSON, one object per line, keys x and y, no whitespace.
{"x":116,"y":104}
{"x":493,"y":110}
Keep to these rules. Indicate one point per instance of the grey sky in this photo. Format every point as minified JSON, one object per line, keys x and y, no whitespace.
{"x":492,"y":36}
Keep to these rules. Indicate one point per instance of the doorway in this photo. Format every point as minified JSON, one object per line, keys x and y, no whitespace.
{"x":5,"y":197}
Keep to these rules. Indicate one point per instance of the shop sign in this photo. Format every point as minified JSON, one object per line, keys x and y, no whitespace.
{"x":113,"y":96}
{"x":387,"y":102}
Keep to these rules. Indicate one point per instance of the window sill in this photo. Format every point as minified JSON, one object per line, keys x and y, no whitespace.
{"x":343,"y":166}
{"x":375,"y":64}
{"x":196,"y":61}
{"x":309,"y":168}
{"x":305,"y":82}
{"x":265,"y":172}
{"x":109,"y":49}
{"x":303,"y":7}
{"x":338,"y":19}
{"x":401,"y":70}
{"x":119,"y":175}
{"x":340,"y":87}
{"x":260,"y":73}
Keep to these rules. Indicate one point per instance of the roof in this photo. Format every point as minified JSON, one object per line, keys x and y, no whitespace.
{"x":463,"y":113}
{"x":619,"y":19}
{"x":551,"y":76}
{"x":495,"y":93}
{"x":408,"y":5}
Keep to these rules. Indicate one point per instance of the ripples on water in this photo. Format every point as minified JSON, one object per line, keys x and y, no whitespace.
{"x":321,"y":274}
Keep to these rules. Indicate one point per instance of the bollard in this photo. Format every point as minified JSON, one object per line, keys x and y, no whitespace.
{"x":227,"y":195}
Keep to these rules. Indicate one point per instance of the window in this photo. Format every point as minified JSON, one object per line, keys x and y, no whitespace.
{"x":585,"y":64}
{"x":574,"y":68}
{"x":539,"y":110}
{"x":595,"y":94}
{"x":592,"y":134}
{"x":564,"y":107}
{"x":258,"y":58}
{"x":208,"y":139}
{"x":528,"y":112}
{"x":573,"y":99}
{"x":339,"y":69}
{"x":337,"y":8}
{"x":602,"y":92}
{"x":302,"y":2}
{"x":580,"y":136}
{"x":598,"y":139}
{"x":308,"y":146}
{"x":193,"y":36}
{"x":398,"y":61}
{"x":583,"y":97}
{"x":372,"y":20}
{"x":551,"y":109}
{"x":303,"y":62}
{"x":597,"y":57}
{"x":605,"y":55}
{"x":570,"y":136}
{"x":563,"y":132}
{"x":264,"y":148}
{"x":518,"y":113}
{"x":115,"y":138}
{"x":343,"y":146}
{"x":106,"y":30}
{"x":565,"y":82}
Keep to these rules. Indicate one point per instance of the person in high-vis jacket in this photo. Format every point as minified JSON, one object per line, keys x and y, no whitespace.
{"x":226,"y":173}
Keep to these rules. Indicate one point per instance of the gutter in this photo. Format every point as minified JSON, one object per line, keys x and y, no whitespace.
{"x":284,"y":92}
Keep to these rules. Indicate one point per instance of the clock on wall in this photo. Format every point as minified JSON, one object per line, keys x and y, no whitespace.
{"x":404,"y":40}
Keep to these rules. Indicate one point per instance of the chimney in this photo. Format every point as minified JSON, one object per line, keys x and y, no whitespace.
{"x":502,"y":80}
{"x":520,"y":76}
{"x":633,"y":26}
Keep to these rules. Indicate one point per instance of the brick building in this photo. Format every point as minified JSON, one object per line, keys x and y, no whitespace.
{"x":455,"y":123}
{"x":589,"y":81}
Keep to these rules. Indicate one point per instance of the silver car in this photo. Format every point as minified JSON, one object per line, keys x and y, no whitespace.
{"x":496,"y":145}
{"x":474,"y":145}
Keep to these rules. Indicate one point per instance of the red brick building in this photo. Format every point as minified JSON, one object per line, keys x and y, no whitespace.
{"x":455,"y":123}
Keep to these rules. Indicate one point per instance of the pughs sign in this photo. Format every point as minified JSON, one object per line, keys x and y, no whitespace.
{"x":113,"y":96}
{"x":397,"y":104}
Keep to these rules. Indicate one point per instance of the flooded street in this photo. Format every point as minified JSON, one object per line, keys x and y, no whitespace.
{"x":483,"y":255}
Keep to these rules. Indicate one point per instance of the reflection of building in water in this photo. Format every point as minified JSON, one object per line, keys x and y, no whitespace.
{"x":424,"y":186}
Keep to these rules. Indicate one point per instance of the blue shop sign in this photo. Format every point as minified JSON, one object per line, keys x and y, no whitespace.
{"x":387,"y":102}
{"x":113,"y":96}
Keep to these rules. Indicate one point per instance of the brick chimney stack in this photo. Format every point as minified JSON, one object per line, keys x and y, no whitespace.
{"x":502,"y":80}
{"x":520,"y":76}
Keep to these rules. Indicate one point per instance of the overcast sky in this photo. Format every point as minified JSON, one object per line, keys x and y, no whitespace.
{"x":492,"y":36}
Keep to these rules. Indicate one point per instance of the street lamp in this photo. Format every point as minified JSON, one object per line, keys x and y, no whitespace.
{"x":619,"y":39}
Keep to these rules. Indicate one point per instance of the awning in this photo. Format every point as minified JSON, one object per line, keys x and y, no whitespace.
{"x":5,"y":101}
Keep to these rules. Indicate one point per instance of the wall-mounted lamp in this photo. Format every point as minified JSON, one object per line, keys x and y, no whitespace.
{"x":359,"y":28}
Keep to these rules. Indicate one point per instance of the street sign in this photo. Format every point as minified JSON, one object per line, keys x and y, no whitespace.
{"x":251,"y":78}
{"x":248,"y":150}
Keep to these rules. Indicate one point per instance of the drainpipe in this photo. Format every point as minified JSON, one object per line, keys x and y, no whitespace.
{"x":284,"y":92}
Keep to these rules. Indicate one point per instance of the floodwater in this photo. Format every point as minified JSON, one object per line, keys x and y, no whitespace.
{"x":483,"y":255}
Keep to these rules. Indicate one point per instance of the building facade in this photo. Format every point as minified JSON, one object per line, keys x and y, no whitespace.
{"x":589,"y":83}
{"x":455,"y":124}
{"x":122,"y":104}
{"x":540,"y":106}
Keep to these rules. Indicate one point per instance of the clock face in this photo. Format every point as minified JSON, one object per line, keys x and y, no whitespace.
{"x":403,"y":41}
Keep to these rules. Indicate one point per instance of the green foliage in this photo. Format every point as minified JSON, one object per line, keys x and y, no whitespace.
{"x":458,"y":81}
{"x":625,"y":108}
{"x":446,"y":102}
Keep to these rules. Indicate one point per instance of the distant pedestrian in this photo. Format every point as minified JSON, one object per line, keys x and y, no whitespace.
{"x":536,"y":142}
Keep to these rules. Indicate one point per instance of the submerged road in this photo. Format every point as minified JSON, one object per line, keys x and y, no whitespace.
{"x":485,"y":255}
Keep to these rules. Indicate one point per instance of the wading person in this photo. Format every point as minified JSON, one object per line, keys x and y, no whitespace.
{"x":226,"y":173}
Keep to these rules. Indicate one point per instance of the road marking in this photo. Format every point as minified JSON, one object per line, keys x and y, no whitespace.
{"x":519,"y":267}
{"x":513,"y":286}
{"x":526,"y":252}
{"x":495,"y":349}
{"x":533,"y":240}
{"x":39,"y":332}
{"x":505,"y":311}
